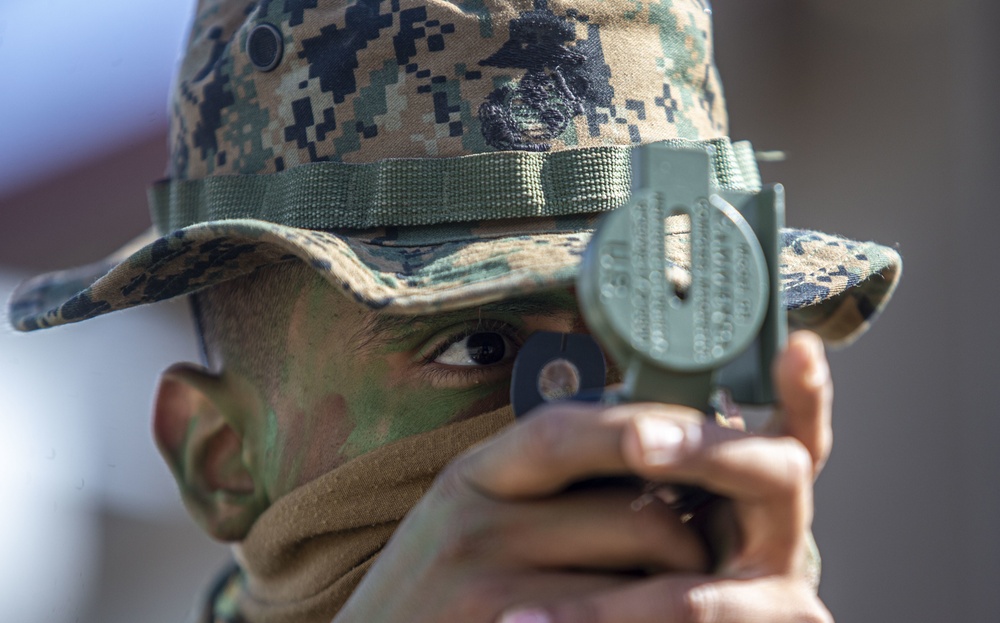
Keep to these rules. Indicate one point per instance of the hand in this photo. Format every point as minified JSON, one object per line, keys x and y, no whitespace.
{"x":499,"y":537}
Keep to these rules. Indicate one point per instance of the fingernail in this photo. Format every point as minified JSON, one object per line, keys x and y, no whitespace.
{"x":661,"y":440}
{"x":525,"y":616}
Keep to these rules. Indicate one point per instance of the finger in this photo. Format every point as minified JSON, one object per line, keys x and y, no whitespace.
{"x":679,"y":599}
{"x":602,"y":529}
{"x":479,"y":596}
{"x":803,"y":380}
{"x":562,"y":444}
{"x":486,"y":596}
{"x":725,"y":461}
{"x":769,"y":481}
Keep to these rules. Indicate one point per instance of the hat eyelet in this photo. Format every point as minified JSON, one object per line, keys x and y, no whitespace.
{"x":265,"y":46}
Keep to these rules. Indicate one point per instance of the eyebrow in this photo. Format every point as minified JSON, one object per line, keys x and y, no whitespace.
{"x":382,"y":328}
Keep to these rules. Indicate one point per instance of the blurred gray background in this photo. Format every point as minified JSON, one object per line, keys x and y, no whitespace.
{"x":888,"y":113}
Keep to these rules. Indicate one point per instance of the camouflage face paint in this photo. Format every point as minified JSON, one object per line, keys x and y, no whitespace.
{"x":402,"y":391}
{"x":350,"y":380}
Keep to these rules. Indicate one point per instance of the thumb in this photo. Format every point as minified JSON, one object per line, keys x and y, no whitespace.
{"x":802,"y":376}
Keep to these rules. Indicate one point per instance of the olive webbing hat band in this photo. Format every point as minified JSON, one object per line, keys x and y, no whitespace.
{"x":430,"y":191}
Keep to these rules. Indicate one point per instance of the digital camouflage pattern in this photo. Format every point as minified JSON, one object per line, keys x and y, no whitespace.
{"x":371,"y":79}
{"x":832,"y":285}
{"x":275,"y":98}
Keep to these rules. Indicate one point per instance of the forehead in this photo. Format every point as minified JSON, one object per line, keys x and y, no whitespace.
{"x":550,"y":303}
{"x":323,"y":319}
{"x":323,"y":309}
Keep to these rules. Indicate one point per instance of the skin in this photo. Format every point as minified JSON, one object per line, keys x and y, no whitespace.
{"x":498,"y":537}
{"x":380,"y":384}
{"x":370,"y":381}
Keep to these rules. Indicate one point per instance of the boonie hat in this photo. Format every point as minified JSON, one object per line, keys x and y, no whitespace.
{"x":426,"y":155}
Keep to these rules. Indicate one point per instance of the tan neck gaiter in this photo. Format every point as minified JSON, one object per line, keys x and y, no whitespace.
{"x":305,"y":555}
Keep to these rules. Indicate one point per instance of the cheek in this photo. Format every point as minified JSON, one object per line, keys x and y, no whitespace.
{"x":384,"y":411}
{"x":489,"y":402}
{"x":311,"y":441}
{"x":330,"y":429}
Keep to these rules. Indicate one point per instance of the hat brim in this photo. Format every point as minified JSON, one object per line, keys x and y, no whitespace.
{"x":831,"y":285}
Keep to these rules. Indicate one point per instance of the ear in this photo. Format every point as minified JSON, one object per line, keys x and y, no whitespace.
{"x":198,"y":428}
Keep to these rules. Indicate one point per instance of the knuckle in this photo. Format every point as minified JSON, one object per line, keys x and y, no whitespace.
{"x":797,"y":474}
{"x":807,"y":608}
{"x":470,"y":536}
{"x":697,"y":604}
{"x":817,"y":613}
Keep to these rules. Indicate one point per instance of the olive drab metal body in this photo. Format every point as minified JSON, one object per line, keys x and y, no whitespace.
{"x":675,"y":336}
{"x":681,"y":288}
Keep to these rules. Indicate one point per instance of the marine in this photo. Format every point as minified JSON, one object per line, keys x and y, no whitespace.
{"x":371,"y":206}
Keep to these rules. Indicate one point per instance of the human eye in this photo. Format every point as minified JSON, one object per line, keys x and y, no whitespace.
{"x":472,"y":354}
{"x":478,"y":348}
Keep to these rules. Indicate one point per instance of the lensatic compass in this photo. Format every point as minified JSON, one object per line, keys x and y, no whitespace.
{"x":679,"y":287}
